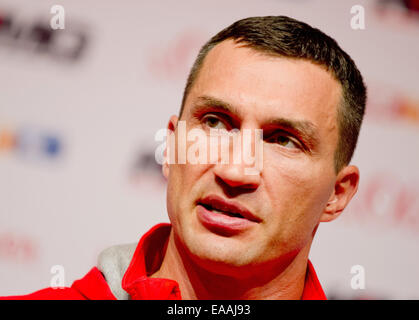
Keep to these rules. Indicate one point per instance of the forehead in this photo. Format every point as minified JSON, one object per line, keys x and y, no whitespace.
{"x":262,"y":87}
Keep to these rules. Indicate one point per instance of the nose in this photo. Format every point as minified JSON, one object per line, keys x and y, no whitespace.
{"x":235,"y":175}
{"x":244,"y":164}
{"x":240,"y":173}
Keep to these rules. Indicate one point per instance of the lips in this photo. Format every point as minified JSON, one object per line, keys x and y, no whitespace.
{"x":230,"y":208}
{"x":224,"y":216}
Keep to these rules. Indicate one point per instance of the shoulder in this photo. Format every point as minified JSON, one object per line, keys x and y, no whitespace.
{"x":113,"y":263}
{"x":92,"y":286}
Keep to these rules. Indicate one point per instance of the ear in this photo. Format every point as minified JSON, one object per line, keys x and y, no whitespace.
{"x":346,"y":186}
{"x":171,"y":127}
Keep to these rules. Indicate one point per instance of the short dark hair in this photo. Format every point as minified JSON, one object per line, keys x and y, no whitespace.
{"x":287,"y":37}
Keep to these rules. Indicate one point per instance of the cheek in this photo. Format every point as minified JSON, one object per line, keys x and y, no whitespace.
{"x":301,"y":174}
{"x":298,"y":190}
{"x":183,"y":188}
{"x":294,"y":175}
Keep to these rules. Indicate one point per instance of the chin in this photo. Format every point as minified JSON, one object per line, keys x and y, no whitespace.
{"x":218,"y":254}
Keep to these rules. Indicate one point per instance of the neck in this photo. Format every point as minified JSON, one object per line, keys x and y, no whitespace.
{"x":277,"y":281}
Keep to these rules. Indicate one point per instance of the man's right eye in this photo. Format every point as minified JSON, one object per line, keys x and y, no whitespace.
{"x":213,"y":122}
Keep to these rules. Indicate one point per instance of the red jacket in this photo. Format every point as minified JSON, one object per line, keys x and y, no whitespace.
{"x":146,"y":259}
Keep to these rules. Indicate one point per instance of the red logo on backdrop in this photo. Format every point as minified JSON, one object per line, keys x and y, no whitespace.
{"x":387,"y":104}
{"x":18,"y":248}
{"x":176,"y":58}
{"x":412,"y":5}
{"x":386,"y":200}
{"x":401,"y":12}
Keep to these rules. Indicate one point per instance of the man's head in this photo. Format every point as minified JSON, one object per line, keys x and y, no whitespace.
{"x":287,"y":37}
{"x":305,"y":93}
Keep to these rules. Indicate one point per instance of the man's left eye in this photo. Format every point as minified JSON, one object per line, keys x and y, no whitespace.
{"x":283,"y":140}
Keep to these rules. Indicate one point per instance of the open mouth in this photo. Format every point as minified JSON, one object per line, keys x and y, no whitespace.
{"x":225,"y":217}
{"x":218,"y":210}
{"x":220,"y":205}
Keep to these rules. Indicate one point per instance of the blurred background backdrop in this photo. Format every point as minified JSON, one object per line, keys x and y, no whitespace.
{"x":79,"y":108}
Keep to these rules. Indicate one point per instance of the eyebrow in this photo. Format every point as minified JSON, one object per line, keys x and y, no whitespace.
{"x":303,"y":129}
{"x":217,"y":104}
